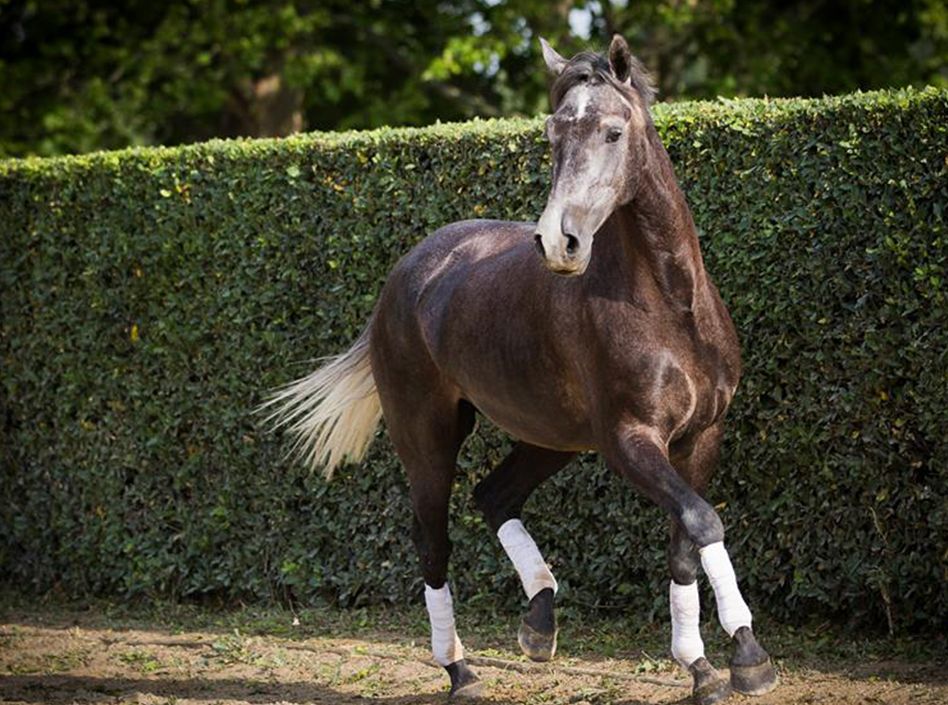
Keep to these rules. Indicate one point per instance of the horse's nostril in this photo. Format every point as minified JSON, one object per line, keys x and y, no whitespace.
{"x":538,"y":241}
{"x":572,"y":244}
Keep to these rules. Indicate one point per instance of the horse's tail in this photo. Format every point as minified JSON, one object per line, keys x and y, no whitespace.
{"x":333,"y":412}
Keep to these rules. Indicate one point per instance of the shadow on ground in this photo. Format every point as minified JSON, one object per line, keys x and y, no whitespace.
{"x":66,"y":690}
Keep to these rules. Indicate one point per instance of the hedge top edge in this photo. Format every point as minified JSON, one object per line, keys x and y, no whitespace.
{"x":733,"y":111}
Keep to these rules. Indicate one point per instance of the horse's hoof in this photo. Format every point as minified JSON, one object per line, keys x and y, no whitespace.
{"x":754,"y":680}
{"x":537,"y":633}
{"x":464,"y":683}
{"x":535,"y":645}
{"x":709,"y":686}
{"x":752,"y":671}
{"x":474,"y":689}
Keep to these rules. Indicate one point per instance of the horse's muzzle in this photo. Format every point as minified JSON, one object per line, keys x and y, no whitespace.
{"x":567,"y":271}
{"x":567,"y":260}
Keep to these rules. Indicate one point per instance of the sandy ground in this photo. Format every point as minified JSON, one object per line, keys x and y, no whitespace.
{"x":67,"y":663}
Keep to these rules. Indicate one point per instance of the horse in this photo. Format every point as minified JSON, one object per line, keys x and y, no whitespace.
{"x":595,"y":328}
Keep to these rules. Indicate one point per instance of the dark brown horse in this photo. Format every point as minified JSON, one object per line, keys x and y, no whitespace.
{"x":595,"y":328}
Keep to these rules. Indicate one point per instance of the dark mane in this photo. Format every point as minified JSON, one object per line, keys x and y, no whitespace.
{"x":589,"y":66}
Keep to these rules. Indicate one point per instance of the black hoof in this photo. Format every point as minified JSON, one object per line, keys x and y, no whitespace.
{"x":464,"y":683}
{"x":537,"y":633}
{"x":535,"y":645}
{"x":709,"y":686}
{"x":752,"y":671}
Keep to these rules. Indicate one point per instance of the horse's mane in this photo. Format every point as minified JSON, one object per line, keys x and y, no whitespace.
{"x":589,"y":66}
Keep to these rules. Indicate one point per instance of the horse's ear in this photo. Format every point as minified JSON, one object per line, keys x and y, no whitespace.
{"x":620,"y":58}
{"x":554,"y":61}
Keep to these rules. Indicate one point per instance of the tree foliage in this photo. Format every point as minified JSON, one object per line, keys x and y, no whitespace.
{"x":80,"y":75}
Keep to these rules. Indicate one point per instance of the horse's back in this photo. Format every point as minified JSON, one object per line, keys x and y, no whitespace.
{"x":453,"y":250}
{"x":423,"y":284}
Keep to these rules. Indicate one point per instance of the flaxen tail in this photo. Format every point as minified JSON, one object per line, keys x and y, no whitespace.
{"x":333,"y":412}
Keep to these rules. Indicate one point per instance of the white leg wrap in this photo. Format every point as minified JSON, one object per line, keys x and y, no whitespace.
{"x":445,"y":644}
{"x":733,"y":612}
{"x":524,"y":554}
{"x":687,"y":646}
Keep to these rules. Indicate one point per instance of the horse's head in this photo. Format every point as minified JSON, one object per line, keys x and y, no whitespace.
{"x":598,"y":135}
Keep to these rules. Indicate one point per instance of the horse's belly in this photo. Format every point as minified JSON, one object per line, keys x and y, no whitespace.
{"x":527,"y":394}
{"x":553,"y":426}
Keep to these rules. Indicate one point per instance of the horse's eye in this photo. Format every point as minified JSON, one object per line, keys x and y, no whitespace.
{"x":613,"y":134}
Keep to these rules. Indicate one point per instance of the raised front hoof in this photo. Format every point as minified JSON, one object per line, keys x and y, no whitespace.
{"x":535,"y":645}
{"x":464,"y":683}
{"x":709,"y":686}
{"x":752,"y":671}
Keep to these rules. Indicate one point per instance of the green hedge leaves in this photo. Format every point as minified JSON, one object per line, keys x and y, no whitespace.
{"x":151,"y":297}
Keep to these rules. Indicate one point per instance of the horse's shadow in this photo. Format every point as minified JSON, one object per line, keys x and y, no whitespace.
{"x":69,"y":689}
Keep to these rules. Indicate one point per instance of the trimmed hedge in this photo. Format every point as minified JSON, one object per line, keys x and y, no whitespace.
{"x":151,"y":297}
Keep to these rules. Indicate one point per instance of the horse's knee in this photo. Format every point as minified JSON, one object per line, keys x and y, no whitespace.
{"x":702,"y":524}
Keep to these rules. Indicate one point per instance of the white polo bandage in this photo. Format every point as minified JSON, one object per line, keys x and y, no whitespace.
{"x":445,"y":644}
{"x":525,"y":556}
{"x":733,"y":612}
{"x":687,"y":646}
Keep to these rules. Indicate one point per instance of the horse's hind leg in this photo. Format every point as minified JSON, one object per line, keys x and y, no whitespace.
{"x":427,"y":435}
{"x":501,"y":496}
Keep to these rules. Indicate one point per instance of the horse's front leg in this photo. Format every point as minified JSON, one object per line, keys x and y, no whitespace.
{"x":638,"y":454}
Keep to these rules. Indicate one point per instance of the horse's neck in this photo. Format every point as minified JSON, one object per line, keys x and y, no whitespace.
{"x":661,"y":233}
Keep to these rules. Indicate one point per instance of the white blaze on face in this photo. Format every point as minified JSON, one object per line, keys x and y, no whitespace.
{"x":582,"y":100}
